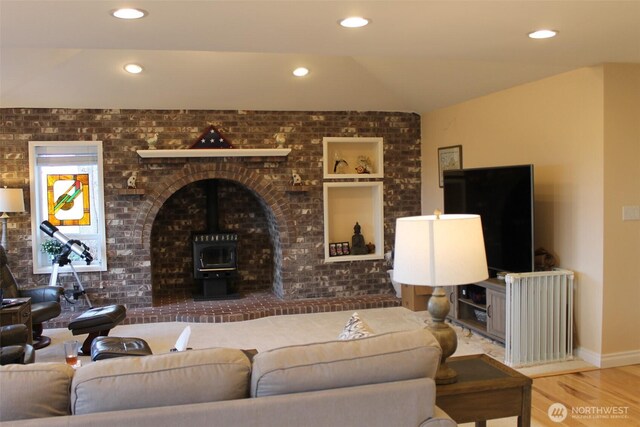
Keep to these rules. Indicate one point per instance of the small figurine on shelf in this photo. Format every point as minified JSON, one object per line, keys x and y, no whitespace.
{"x":340,"y":164}
{"x":358,"y":246}
{"x":364,"y":165}
{"x":152,"y":141}
{"x":280,"y":139}
{"x":371,"y":248}
{"x":296,"y":179}
{"x":131,"y":182}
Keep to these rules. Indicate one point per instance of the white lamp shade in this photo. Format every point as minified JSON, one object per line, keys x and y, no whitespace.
{"x":443,"y":251}
{"x":11,"y":200}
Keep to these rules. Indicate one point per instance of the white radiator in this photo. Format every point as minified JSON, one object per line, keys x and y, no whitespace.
{"x":539,"y":310}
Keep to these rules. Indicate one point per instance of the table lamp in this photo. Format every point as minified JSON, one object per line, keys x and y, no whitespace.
{"x":440,"y":250}
{"x":11,"y":200}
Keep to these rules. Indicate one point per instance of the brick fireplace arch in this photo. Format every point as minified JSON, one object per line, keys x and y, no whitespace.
{"x":272,"y":200}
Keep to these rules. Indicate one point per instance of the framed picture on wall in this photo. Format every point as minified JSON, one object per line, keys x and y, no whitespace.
{"x":449,"y":158}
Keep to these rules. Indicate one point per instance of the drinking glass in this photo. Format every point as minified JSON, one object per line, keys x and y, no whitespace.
{"x":71,"y":352}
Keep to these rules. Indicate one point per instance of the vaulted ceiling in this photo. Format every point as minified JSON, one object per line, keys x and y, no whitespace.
{"x":239,"y":55}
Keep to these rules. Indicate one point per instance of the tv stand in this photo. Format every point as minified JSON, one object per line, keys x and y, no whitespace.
{"x":537,"y":300}
{"x":484,"y":314}
{"x":481,"y":307}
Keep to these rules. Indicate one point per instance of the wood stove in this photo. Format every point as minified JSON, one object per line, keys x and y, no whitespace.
{"x":214,"y":254}
{"x":215,"y":263}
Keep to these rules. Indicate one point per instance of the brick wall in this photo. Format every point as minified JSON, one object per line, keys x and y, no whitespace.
{"x":281,"y":231}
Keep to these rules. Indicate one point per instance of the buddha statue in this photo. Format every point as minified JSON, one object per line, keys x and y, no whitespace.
{"x":358,"y":246}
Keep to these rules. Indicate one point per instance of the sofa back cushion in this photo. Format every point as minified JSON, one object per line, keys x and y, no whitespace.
{"x":34,"y":390}
{"x":393,"y":356}
{"x":193,"y":376}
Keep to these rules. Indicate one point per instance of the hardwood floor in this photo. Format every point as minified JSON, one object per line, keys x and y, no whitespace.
{"x":602,"y":397}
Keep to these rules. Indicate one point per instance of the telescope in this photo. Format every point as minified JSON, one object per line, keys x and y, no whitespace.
{"x":74,"y":246}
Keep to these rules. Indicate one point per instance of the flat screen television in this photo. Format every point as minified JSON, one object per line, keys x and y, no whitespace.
{"x":503,"y":197}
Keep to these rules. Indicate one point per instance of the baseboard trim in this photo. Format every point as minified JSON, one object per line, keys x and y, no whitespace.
{"x":610,"y":360}
{"x":622,"y":358}
{"x":589,"y":356}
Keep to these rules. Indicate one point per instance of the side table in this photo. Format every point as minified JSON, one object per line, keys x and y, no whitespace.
{"x":20,"y":313}
{"x":486,"y":389}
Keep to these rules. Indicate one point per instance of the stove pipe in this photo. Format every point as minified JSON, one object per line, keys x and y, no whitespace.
{"x":213,"y":225}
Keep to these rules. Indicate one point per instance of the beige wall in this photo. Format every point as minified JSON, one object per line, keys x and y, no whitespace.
{"x":558,"y":124}
{"x":622,"y":188}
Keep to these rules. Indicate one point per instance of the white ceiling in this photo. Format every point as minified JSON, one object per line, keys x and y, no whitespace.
{"x":415,"y":55}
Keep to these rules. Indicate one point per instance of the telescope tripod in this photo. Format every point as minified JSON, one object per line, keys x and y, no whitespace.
{"x":78,"y":290}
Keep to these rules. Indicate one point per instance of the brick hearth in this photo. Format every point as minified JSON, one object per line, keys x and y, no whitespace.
{"x":252,"y":306}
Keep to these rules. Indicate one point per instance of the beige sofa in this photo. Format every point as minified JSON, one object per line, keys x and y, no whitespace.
{"x":381,"y":380}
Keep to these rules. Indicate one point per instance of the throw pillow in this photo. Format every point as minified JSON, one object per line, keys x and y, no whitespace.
{"x":355,"y":328}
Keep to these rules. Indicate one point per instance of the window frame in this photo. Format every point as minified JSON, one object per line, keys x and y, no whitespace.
{"x":38,"y":214}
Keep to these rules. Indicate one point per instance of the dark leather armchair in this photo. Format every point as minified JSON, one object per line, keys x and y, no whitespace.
{"x":14,"y":347}
{"x":45,"y":300}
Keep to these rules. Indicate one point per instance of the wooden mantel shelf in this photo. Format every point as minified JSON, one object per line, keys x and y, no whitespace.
{"x":213,"y":152}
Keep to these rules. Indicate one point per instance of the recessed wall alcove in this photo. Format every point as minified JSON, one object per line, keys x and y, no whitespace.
{"x":248,"y":206}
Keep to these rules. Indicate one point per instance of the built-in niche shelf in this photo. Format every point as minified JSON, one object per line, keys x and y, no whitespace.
{"x":215,"y":152}
{"x":342,"y":155}
{"x":346,"y":203}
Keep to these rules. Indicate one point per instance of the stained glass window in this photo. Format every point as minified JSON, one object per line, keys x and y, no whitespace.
{"x":68,"y":199}
{"x":67,"y":190}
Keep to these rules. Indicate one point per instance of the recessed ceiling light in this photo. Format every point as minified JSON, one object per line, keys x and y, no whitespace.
{"x":300,"y":72}
{"x":543,"y":34}
{"x":354,"y":22}
{"x":133,"y":68}
{"x":128,"y":13}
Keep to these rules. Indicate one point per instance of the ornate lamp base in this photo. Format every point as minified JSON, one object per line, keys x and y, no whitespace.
{"x":438,"y":308}
{"x":3,"y":239}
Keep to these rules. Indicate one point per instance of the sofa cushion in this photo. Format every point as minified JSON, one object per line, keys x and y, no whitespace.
{"x":193,"y":376}
{"x":393,"y":356}
{"x":34,"y":390}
